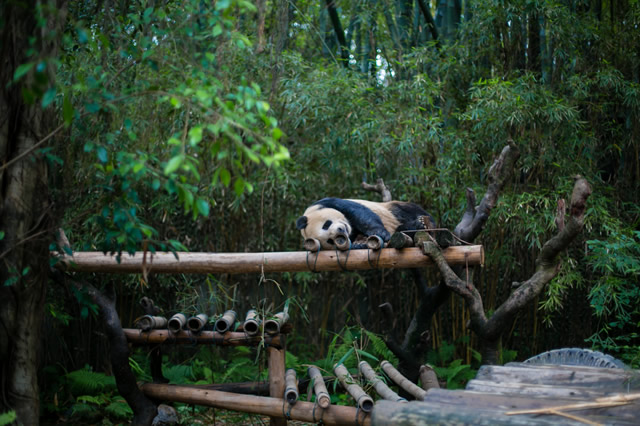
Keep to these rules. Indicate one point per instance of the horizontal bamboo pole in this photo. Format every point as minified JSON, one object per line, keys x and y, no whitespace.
{"x":229,"y":338}
{"x":267,"y":406}
{"x":241,"y":263}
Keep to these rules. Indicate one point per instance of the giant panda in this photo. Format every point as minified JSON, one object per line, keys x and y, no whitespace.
{"x":329,"y":218}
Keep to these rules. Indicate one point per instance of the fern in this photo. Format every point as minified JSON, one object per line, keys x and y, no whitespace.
{"x":119,"y":409}
{"x":87,"y":382}
{"x":178,"y":374}
{"x":7,"y":418}
{"x":380,"y":347}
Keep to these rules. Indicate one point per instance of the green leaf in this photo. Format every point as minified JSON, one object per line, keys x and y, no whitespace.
{"x":2,"y":235}
{"x":49,"y":96}
{"x":8,"y":418}
{"x":195,"y":135}
{"x":217,"y":30}
{"x":238,"y":186}
{"x":22,"y":70}
{"x":225,"y":177}
{"x":203,"y":206}
{"x":173,"y":164}
{"x":155,"y":185}
{"x":102,"y":154}
{"x":67,"y":109}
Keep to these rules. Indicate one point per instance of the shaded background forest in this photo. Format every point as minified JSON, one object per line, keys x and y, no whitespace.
{"x":211,"y":126}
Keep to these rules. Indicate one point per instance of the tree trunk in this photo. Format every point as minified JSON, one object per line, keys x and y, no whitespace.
{"x":23,"y":205}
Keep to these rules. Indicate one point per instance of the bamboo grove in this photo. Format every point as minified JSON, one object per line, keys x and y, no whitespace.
{"x":210,"y":126}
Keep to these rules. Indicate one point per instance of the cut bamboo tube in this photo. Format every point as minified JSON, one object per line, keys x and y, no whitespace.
{"x":177,"y":323}
{"x":291,"y":386}
{"x":224,"y":324}
{"x":251,"y":325}
{"x":241,"y":263}
{"x":381,"y":387}
{"x":319,"y":388}
{"x":272,"y":325}
{"x":402,"y":381}
{"x":428,"y":378}
{"x":303,"y":411}
{"x":364,"y":401}
{"x":197,"y":323}
{"x":149,"y":322}
{"x":230,"y":338}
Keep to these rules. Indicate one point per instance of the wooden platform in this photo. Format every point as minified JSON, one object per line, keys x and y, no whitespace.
{"x":501,"y":395}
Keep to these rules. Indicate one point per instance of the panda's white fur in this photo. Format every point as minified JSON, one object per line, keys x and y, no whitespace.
{"x":329,"y":218}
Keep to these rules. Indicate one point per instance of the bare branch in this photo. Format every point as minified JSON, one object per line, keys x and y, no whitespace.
{"x":498,"y":174}
{"x":380,"y":188}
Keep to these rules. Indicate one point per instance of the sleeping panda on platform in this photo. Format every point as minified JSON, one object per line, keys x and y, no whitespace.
{"x":329,"y":218}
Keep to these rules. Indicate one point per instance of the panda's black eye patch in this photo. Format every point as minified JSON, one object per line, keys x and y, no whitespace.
{"x":326,"y":225}
{"x":330,"y":241}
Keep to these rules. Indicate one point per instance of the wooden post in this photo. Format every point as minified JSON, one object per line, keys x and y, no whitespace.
{"x":241,"y":263}
{"x":428,"y":378}
{"x":276,"y":360}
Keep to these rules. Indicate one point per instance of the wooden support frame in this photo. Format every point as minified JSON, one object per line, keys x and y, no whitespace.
{"x":229,"y":338}
{"x":273,"y":407}
{"x":241,"y":263}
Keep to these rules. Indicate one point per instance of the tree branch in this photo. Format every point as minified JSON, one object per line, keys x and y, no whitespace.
{"x":498,"y":174}
{"x":380,"y":188}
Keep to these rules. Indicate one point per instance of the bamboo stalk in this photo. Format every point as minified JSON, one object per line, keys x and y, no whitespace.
{"x":177,"y":323}
{"x":267,"y":406}
{"x":240,"y":263}
{"x":150,"y":322}
{"x":364,"y":401}
{"x":319,"y":388}
{"x":428,"y":377}
{"x":230,"y":338}
{"x":197,"y":323}
{"x":276,"y":365}
{"x":381,"y":387}
{"x":402,"y":381}
{"x":291,"y":386}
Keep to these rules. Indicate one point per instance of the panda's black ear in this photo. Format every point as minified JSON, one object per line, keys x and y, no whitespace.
{"x":301,"y":223}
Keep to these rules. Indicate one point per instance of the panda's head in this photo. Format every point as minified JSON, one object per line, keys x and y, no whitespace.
{"x":324,"y":224}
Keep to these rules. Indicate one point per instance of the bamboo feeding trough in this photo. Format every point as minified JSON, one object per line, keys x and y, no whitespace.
{"x":319,"y":388}
{"x":185,"y":337}
{"x":240,"y":263}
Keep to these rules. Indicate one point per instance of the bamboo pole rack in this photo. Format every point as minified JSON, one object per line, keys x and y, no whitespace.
{"x":241,"y":263}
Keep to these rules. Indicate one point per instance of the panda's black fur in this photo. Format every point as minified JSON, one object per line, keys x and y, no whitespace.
{"x":329,"y":217}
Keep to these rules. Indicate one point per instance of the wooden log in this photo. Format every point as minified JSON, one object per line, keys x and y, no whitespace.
{"x":512,"y":402}
{"x":364,"y":401}
{"x":241,"y":263}
{"x":303,"y":411}
{"x":425,"y":413}
{"x":402,"y":381}
{"x":276,"y":365}
{"x":319,"y":388}
{"x":251,"y":324}
{"x":231,"y":338}
{"x":381,"y":387}
{"x":291,"y":386}
{"x":428,"y":378}
{"x":559,"y":376}
{"x":226,"y":322}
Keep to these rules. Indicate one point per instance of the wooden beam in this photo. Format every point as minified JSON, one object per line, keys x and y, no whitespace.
{"x":267,"y":406}
{"x":229,"y":338}
{"x":241,"y":263}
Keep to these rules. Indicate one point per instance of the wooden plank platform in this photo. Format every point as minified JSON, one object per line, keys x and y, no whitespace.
{"x":498,"y":392}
